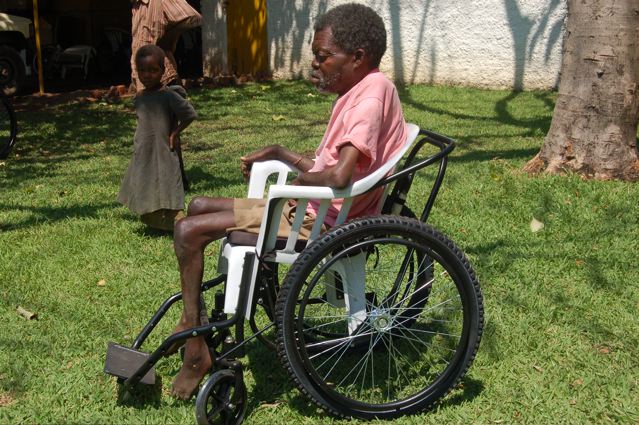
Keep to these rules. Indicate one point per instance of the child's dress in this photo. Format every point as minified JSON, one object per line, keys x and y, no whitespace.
{"x":153,"y":179}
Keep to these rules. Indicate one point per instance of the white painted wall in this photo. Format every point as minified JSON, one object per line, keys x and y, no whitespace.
{"x":484,"y":43}
{"x":214,"y":40}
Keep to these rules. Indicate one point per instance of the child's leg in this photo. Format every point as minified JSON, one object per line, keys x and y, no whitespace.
{"x":163,"y":219}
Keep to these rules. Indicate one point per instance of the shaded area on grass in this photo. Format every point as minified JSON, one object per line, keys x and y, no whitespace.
{"x":40,"y":215}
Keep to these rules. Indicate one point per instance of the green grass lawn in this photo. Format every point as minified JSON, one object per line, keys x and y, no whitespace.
{"x":561,"y":338}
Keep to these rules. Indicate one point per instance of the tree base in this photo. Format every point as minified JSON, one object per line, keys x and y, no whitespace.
{"x":537,"y":165}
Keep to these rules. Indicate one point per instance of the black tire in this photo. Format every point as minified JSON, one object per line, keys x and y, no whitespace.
{"x":12,"y":70}
{"x":221,"y":400}
{"x":8,"y":126}
{"x":423,"y":334}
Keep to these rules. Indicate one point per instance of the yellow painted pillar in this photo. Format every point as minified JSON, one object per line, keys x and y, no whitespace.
{"x":36,"y":27}
{"x":246,"y":35}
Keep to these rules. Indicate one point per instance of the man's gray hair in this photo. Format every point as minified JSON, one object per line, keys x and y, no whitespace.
{"x":356,"y":26}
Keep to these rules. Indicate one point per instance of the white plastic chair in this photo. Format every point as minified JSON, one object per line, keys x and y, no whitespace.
{"x":231,"y":260}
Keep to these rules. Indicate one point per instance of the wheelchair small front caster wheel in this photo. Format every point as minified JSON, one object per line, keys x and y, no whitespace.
{"x":221,"y":400}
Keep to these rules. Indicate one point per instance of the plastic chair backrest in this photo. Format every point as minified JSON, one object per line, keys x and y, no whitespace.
{"x":279,"y":194}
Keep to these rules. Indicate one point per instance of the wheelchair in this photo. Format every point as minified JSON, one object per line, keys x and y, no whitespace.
{"x":378,"y":317}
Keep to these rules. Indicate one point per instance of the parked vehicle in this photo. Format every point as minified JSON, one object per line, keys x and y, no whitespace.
{"x":16,"y":52}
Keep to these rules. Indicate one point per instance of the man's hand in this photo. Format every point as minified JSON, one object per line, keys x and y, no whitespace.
{"x":269,"y":152}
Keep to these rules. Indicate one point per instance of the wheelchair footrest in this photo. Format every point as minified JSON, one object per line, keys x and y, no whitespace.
{"x":123,"y":362}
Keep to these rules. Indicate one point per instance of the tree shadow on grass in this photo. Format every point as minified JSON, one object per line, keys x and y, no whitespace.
{"x":141,"y":396}
{"x":38,"y":215}
{"x":204,"y":181}
{"x":272,"y":384}
{"x":154,"y":233}
{"x":465,"y":391}
{"x":484,"y":155}
{"x":527,"y":127}
{"x":59,"y":132}
{"x":548,"y":271}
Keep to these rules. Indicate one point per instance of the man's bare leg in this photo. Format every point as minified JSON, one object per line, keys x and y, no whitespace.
{"x":191,"y":235}
{"x":198,"y":206}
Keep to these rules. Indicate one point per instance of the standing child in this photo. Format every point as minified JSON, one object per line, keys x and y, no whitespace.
{"x":153,"y":185}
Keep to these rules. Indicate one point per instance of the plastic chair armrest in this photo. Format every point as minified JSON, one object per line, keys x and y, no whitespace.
{"x":260,"y":172}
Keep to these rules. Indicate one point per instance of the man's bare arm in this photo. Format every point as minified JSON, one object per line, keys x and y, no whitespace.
{"x":338,"y":176}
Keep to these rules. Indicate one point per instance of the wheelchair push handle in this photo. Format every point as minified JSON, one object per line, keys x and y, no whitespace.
{"x":404,"y":177}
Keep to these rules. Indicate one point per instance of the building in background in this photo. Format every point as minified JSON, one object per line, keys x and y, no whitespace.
{"x":483,"y":43}
{"x":73,"y":30}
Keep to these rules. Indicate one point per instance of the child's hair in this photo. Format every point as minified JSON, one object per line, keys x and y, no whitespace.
{"x":150,"y":50}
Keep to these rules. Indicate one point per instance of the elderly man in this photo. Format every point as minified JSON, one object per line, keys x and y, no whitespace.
{"x":365,"y":129}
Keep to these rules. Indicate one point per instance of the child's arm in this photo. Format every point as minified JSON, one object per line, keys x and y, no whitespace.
{"x":184,"y":114}
{"x":174,"y":137}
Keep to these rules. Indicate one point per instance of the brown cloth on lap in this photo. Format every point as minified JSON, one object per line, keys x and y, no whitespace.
{"x":249,"y":214}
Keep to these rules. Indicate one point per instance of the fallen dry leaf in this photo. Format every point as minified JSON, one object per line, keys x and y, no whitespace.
{"x":101,"y":282}
{"x":577,"y":382}
{"x":278,"y":117}
{"x":537,"y":368}
{"x":536,"y":225}
{"x":26,"y":314}
{"x":271,"y":405}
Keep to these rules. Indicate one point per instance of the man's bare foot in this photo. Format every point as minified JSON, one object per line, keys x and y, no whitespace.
{"x":181,"y":326}
{"x":197,"y":362}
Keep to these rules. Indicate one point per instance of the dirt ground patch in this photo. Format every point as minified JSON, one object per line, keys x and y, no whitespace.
{"x":35,"y":102}
{"x":6,"y":400}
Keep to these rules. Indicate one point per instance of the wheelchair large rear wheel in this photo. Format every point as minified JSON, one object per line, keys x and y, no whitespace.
{"x":417,"y":338}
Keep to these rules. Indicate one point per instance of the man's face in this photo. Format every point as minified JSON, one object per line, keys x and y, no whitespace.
{"x":331,"y":67}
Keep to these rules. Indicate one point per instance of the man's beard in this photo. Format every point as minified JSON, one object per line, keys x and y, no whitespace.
{"x":327,"y":84}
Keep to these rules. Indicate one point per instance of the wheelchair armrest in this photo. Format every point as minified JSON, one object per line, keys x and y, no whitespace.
{"x":261,"y":171}
{"x":307,"y":192}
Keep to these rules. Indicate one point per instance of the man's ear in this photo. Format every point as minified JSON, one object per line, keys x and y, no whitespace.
{"x":362,"y":60}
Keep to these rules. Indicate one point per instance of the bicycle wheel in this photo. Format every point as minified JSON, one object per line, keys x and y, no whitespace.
{"x":8,"y":126}
{"x":414,"y":340}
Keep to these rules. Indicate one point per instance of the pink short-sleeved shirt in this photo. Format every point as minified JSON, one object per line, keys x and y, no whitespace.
{"x":369,"y":117}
